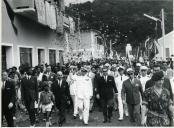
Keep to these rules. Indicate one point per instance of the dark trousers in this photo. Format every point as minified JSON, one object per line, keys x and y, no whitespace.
{"x":31,"y":111}
{"x":61,"y":105}
{"x":134,"y":113}
{"x":107,"y":105}
{"x":8,"y":116}
{"x":97,"y":103}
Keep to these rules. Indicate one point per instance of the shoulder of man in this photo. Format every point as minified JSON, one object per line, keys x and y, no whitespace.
{"x":149,"y":81}
{"x":166,"y":79}
{"x":137,"y":80}
{"x":10,"y":81}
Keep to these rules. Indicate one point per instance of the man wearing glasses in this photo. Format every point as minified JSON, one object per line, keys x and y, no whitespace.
{"x":132,"y":88}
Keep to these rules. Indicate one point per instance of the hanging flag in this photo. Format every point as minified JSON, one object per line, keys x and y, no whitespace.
{"x":146,"y":41}
{"x":72,"y":25}
{"x":153,"y":49}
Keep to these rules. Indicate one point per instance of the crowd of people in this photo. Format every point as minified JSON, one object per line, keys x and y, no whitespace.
{"x":142,"y":91}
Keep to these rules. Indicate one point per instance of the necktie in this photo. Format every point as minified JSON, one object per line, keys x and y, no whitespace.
{"x":121,"y":78}
{"x":59,"y":83}
{"x":105,"y":78}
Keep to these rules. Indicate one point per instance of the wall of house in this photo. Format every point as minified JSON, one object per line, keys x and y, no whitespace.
{"x":86,"y":39}
{"x":169,"y":43}
{"x":28,"y":34}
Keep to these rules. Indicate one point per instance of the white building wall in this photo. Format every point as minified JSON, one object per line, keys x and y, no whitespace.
{"x":169,"y":43}
{"x":29,"y":34}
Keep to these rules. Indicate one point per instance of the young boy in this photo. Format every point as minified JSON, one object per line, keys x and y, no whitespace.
{"x":46,"y":102}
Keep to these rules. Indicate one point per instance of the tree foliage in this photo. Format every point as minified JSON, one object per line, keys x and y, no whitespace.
{"x":123,"y":21}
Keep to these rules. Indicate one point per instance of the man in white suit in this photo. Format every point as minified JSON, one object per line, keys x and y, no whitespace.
{"x":84,"y":94}
{"x":119,"y":81}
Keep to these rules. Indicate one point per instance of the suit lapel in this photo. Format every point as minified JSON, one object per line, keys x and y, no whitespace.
{"x":129,"y":82}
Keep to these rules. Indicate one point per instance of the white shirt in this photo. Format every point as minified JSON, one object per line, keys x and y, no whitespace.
{"x":3,"y":84}
{"x":119,"y":81}
{"x":143,"y":81}
{"x":105,"y":78}
{"x":172,"y":84}
{"x":39,"y":78}
{"x":72,"y":81}
{"x":59,"y":82}
{"x":84,"y":87}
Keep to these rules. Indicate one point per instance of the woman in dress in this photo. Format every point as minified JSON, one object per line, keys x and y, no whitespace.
{"x":157,"y":109}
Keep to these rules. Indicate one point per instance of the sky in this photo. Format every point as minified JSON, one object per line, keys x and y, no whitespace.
{"x":67,"y":2}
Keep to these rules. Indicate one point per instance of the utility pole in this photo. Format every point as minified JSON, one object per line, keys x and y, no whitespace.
{"x":163,"y":30}
{"x":163,"y":33}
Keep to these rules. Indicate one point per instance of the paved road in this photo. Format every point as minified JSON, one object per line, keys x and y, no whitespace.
{"x":95,"y":119}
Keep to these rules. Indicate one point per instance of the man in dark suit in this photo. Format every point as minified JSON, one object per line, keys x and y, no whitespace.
{"x":106,"y":86}
{"x":29,"y":92}
{"x":8,"y":99}
{"x":166,"y":83}
{"x":60,"y":90}
{"x":132,"y":88}
{"x":50,"y":75}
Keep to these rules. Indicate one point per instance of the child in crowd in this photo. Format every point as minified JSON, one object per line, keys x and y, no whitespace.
{"x":46,"y":102}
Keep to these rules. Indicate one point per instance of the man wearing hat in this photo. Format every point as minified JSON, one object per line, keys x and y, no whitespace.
{"x":132,"y":88}
{"x":137,"y":69}
{"x":106,"y":85}
{"x":143,"y":76}
{"x":119,"y":81}
{"x":114,"y":71}
{"x":91,"y":74}
{"x":84,"y":94}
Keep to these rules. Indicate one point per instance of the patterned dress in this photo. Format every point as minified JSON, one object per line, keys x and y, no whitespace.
{"x":158,"y":107}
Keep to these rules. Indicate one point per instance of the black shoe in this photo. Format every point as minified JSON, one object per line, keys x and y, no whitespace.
{"x":132,"y":120}
{"x":37,"y":121}
{"x":109,"y":120}
{"x":74,"y":117}
{"x":105,"y":121}
{"x":60,"y":124}
{"x":85,"y":124}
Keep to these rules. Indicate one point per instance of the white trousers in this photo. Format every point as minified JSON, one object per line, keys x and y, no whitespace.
{"x":75,"y":104}
{"x":84,"y":105}
{"x":120,"y":106}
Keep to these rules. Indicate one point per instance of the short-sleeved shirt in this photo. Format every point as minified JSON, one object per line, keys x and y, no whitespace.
{"x":46,"y":97}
